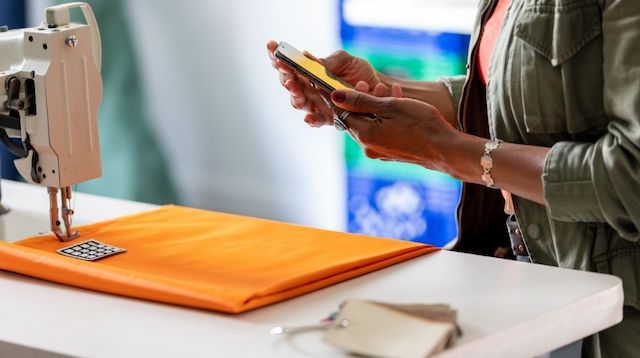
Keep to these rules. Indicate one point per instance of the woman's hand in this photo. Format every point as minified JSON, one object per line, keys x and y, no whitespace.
{"x":407,"y":130}
{"x":353,"y":70}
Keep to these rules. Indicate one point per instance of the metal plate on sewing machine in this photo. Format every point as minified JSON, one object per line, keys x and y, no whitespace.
{"x":90,"y":250}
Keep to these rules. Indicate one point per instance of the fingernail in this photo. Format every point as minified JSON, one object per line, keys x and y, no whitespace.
{"x":338,"y":96}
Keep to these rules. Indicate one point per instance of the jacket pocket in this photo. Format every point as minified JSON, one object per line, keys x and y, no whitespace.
{"x":559,"y":29}
{"x":616,"y":256}
{"x":561,"y":65}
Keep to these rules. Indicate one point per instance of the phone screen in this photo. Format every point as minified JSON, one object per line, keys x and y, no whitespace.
{"x":309,"y":68}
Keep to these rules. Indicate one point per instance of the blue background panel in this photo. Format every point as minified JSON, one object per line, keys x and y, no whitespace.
{"x":402,"y":209}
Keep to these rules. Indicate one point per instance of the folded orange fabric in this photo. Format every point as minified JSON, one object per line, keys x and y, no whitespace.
{"x":208,"y":260}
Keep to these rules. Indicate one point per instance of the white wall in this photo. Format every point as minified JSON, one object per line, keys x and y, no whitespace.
{"x":233,"y":141}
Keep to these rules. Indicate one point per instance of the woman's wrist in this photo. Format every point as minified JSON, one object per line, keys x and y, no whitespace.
{"x":514,"y":167}
{"x":461,"y":154}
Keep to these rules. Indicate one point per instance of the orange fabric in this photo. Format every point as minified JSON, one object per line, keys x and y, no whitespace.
{"x":208,"y":260}
{"x":489,"y":37}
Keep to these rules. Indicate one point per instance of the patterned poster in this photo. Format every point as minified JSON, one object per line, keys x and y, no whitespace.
{"x":418,"y":40}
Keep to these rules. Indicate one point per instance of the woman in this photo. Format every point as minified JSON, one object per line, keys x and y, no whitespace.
{"x":549,"y":112}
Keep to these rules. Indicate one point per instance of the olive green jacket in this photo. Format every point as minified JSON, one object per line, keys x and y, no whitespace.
{"x":564,"y":74}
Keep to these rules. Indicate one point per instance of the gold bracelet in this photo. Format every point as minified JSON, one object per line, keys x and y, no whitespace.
{"x":487,"y":162}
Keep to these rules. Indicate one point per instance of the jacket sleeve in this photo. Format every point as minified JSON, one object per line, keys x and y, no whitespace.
{"x":455,"y":85}
{"x":600,"y":182}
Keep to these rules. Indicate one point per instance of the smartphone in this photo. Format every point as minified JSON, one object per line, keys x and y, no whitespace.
{"x":314,"y":71}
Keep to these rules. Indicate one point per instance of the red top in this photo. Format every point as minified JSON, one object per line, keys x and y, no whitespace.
{"x":489,"y":37}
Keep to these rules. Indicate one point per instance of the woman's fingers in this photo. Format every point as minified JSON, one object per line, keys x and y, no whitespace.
{"x":358,"y":102}
{"x":295,"y":88}
{"x":311,"y":56}
{"x":362,"y":86}
{"x":282,"y":67}
{"x":271,"y":48}
{"x":318,"y":119}
{"x":286,"y":77}
{"x":396,"y":90}
{"x":312,"y":102}
{"x":299,"y":102}
{"x":318,"y":106}
{"x":337,"y":62}
{"x":380,"y":90}
{"x":272,"y":45}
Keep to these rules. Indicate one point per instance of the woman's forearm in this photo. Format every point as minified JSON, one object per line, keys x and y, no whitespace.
{"x":516,"y":168}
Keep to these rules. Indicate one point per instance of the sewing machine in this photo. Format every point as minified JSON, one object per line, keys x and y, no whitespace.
{"x":50,"y":91}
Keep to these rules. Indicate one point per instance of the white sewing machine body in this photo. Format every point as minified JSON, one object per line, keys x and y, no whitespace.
{"x":50,"y":92}
{"x":61,"y":124}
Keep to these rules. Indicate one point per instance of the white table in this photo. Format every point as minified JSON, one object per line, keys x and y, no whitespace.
{"x":505,"y":308}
